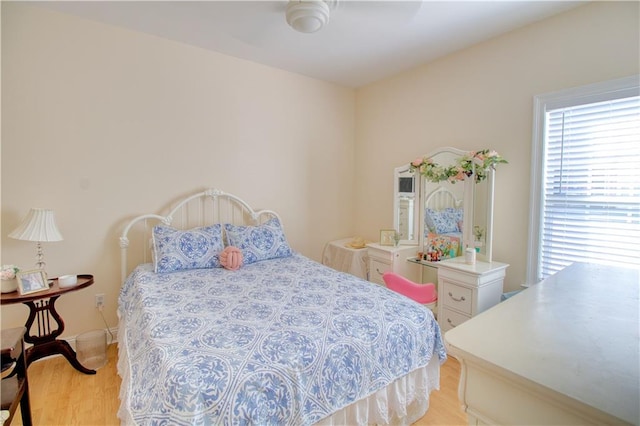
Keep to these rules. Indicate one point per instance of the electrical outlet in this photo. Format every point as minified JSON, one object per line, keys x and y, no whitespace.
{"x":100,"y":301}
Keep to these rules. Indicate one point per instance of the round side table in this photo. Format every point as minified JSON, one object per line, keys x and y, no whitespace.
{"x":47,"y":322}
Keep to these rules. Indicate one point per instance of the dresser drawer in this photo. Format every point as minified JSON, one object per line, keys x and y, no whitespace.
{"x":450,"y":319}
{"x":386,"y":256}
{"x":376,"y":269}
{"x":456,"y":297}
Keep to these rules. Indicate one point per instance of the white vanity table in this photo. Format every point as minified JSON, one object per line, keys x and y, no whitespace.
{"x":463,"y":290}
{"x":565,"y":351}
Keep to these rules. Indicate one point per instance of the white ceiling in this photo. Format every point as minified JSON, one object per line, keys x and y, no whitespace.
{"x":364,"y":41}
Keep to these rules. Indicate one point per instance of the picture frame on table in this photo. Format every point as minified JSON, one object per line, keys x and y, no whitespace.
{"x":32,"y":281}
{"x":387,"y":237}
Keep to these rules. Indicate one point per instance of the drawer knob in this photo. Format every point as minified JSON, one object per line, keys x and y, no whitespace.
{"x":379,"y":272}
{"x":462,"y":299}
{"x":451,"y":322}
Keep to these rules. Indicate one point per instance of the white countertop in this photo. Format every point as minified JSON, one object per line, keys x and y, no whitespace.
{"x":576,"y":333}
{"x":479,"y":267}
{"x":458,"y":263}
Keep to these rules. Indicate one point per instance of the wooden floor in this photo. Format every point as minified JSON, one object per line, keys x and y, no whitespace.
{"x":60,"y":395}
{"x":444,"y":406}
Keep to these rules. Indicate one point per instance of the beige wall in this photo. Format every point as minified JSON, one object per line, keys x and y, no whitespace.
{"x":482,"y":97}
{"x":102,"y":124}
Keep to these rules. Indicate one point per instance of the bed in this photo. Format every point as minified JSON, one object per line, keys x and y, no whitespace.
{"x":281,"y":340}
{"x":443,"y":224}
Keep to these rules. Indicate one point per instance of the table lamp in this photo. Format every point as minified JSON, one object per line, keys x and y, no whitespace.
{"x":40,"y":226}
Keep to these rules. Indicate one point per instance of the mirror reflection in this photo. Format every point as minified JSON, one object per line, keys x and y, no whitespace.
{"x":443,"y":210}
{"x":480,"y":225}
{"x":406,"y":204}
{"x":483,"y":216}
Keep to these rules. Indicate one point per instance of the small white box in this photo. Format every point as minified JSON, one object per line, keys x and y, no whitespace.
{"x":67,"y":281}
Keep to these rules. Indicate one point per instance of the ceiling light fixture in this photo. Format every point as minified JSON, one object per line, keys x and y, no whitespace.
{"x":308,"y":16}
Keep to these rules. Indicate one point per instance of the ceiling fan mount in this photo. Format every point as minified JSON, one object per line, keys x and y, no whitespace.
{"x":309,"y":16}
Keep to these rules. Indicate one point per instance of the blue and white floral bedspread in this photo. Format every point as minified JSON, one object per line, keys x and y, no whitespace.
{"x":283,"y":341}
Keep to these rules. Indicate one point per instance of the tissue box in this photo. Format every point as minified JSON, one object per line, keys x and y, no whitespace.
{"x":67,"y":281}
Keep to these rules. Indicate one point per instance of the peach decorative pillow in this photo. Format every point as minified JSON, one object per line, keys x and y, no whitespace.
{"x":231,"y":258}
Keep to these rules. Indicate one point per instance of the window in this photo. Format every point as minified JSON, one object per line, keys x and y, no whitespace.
{"x":585,"y":178}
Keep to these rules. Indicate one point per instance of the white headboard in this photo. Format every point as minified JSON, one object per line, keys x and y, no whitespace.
{"x":441,"y":198}
{"x":203,"y":208}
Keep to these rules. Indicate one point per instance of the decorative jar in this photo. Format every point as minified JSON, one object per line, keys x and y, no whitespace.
{"x":8,"y":278}
{"x":9,"y":286}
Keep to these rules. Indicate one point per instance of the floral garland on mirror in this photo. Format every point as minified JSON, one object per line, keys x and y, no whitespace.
{"x":483,"y":160}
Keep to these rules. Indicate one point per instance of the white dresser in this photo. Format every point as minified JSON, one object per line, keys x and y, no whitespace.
{"x":390,"y":258}
{"x":466,"y":290}
{"x":563,"y":352}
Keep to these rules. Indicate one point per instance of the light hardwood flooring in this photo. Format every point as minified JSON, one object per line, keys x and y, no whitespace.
{"x":444,"y":405}
{"x":60,"y":395}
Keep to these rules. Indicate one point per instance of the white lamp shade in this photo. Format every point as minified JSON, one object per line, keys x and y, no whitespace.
{"x":39,"y":225}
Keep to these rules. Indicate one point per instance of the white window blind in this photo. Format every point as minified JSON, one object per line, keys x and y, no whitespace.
{"x":591,"y":185}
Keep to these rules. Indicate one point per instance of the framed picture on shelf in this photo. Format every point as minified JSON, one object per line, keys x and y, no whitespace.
{"x":387,"y":237}
{"x":32,"y":281}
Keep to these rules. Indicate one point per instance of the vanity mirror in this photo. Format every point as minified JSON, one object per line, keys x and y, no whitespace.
{"x":442,"y":195}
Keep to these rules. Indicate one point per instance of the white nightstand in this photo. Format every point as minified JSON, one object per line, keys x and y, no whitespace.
{"x":338,"y":256}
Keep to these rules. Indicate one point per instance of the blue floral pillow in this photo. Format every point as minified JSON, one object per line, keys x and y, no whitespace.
{"x":457,"y":215}
{"x":262,"y":242}
{"x":195,"y":248}
{"x":428,"y":220}
{"x":443,"y":221}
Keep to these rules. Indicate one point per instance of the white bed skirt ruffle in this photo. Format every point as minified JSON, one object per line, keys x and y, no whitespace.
{"x":403,"y":402}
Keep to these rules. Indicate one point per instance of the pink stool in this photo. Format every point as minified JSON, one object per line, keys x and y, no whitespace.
{"x":421,"y":293}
